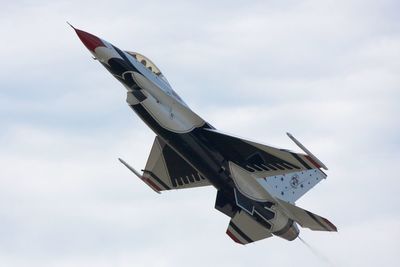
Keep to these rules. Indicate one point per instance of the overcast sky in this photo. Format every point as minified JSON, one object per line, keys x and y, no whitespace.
{"x":326,"y":71}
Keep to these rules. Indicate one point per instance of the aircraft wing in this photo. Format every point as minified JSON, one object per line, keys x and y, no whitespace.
{"x":166,"y":170}
{"x":261,"y":160}
{"x":283,"y":173}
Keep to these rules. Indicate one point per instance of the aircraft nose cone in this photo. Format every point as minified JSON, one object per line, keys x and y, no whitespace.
{"x":89,"y":40}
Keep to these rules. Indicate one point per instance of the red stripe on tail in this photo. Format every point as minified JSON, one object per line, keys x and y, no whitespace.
{"x":233,"y":237}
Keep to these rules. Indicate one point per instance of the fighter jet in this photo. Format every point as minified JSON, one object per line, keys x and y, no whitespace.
{"x":257,"y":185}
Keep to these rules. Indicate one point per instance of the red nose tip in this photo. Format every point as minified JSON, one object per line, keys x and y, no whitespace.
{"x":89,"y":40}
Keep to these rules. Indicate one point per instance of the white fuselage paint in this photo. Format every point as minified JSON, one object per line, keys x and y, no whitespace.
{"x":168,"y":111}
{"x":162,"y":103}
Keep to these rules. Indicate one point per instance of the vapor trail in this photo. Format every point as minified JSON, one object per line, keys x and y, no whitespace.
{"x":318,"y":254}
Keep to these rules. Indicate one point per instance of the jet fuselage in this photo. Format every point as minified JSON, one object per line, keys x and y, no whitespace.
{"x":152,"y":98}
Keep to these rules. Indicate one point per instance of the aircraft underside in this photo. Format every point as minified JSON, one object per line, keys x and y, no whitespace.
{"x":257,"y":185}
{"x":199,"y":158}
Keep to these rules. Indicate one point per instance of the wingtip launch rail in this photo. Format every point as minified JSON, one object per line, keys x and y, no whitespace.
{"x":139,"y":175}
{"x":308,"y":152}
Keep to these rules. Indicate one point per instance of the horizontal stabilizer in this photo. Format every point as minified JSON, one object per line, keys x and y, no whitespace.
{"x":306,"y":219}
{"x":243,"y":229}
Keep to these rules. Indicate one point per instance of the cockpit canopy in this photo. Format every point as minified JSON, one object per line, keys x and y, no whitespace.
{"x":146,"y":62}
{"x":153,"y":68}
